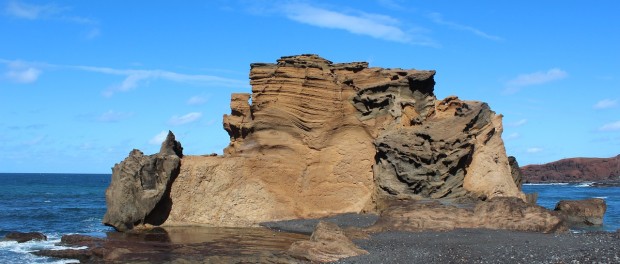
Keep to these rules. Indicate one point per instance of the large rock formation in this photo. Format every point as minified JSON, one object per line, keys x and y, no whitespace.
{"x":140,"y":187}
{"x":574,"y":170}
{"x":322,"y":138}
{"x":582,"y":212}
{"x":328,"y":243}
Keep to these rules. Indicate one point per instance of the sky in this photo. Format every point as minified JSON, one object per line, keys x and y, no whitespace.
{"x":82,"y":83}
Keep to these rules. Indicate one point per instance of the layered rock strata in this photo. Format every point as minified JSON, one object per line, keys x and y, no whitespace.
{"x":321,"y":138}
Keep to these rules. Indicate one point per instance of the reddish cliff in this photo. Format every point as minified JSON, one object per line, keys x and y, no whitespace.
{"x":574,"y":170}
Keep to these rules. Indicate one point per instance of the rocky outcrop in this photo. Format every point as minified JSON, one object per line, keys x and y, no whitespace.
{"x":582,"y":212}
{"x":328,"y":243}
{"x":515,"y":170}
{"x":574,"y":170}
{"x":21,"y":237}
{"x":508,"y":213}
{"x":316,"y":138}
{"x":140,"y":187}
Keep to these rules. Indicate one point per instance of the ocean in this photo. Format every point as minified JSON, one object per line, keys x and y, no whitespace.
{"x":57,"y":204}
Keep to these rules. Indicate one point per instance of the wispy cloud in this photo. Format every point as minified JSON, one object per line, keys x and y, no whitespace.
{"x":27,"y":72}
{"x":20,"y":72}
{"x":196,"y":100}
{"x":536,"y":78}
{"x":606,"y":103}
{"x":517,"y":123}
{"x":31,"y":11}
{"x":613,"y":126}
{"x":134,"y":78}
{"x":438,"y":19}
{"x":159,"y":138}
{"x":534,"y":150}
{"x":513,"y":136}
{"x":360,"y":23}
{"x":185,"y":119}
{"x":113,"y":116}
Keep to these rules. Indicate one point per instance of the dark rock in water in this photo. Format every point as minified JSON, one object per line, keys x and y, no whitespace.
{"x":516,"y":172}
{"x":580,"y":212}
{"x":80,"y":240}
{"x":139,"y":193}
{"x":21,"y":237}
{"x":328,"y":243}
{"x":83,"y":255}
{"x":574,"y":170}
{"x":606,"y":184}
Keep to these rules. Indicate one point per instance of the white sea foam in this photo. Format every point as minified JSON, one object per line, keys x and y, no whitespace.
{"x":584,"y":184}
{"x":23,"y":250}
{"x":601,"y":197}
{"x":546,"y":184}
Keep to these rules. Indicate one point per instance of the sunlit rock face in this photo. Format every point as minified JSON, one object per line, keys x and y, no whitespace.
{"x":316,"y":138}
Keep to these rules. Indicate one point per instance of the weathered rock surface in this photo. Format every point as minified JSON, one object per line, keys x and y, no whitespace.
{"x":22,"y":237}
{"x":322,"y":138}
{"x":582,"y":212}
{"x":574,"y":170}
{"x":508,"y":213}
{"x":515,"y":170}
{"x":328,"y":243}
{"x":139,"y":191}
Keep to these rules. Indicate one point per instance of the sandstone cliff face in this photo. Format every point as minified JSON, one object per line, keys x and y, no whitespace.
{"x":574,"y":170}
{"x":321,"y":138}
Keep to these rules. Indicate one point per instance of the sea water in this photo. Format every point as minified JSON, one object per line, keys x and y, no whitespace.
{"x":58,"y":204}
{"x":549,"y":194}
{"x":53,"y":204}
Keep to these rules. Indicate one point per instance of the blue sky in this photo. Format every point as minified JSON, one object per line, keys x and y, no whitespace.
{"x":82,"y":83}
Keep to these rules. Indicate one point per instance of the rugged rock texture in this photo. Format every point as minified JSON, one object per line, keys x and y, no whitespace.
{"x":574,"y":170}
{"x":139,"y":191}
{"x":508,"y":213}
{"x":328,"y":243}
{"x":582,"y":212}
{"x":21,"y":237}
{"x":515,"y":170}
{"x":322,"y":138}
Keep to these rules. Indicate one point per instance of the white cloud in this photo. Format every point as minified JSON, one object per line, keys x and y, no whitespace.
{"x":113,"y":116}
{"x":518,"y":123}
{"x":373,"y":25}
{"x":606,"y":103}
{"x":614,"y":126}
{"x":30,"y":11}
{"x":184,"y":119}
{"x":23,"y":75}
{"x":134,"y":78}
{"x":159,"y":138}
{"x":534,"y":150}
{"x":438,"y":19}
{"x":513,"y":136}
{"x":196,"y":100}
{"x":538,"y":77}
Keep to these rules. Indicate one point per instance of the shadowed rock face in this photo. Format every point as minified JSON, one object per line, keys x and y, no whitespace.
{"x":328,"y":243}
{"x":139,"y":191}
{"x":316,"y":138}
{"x":574,"y":170}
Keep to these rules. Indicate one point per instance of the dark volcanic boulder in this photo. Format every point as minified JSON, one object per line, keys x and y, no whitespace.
{"x":579,"y":212}
{"x":140,"y":188}
{"x":515,"y":170}
{"x":25,"y":237}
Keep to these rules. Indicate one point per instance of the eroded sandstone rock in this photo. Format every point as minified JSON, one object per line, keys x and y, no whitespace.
{"x":139,"y":191}
{"x":328,"y":243}
{"x":316,"y":138}
{"x":582,"y":212}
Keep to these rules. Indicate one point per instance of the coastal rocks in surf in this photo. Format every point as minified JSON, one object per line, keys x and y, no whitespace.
{"x":21,"y":237}
{"x":508,"y":213}
{"x":316,"y":138}
{"x":328,"y":243}
{"x":582,"y":212}
{"x":139,"y":191}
